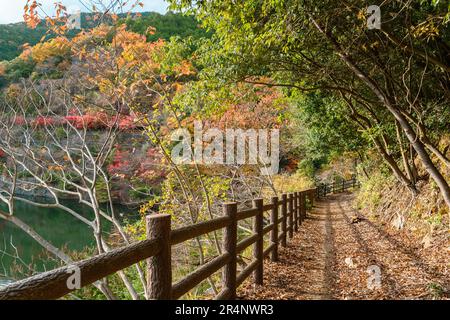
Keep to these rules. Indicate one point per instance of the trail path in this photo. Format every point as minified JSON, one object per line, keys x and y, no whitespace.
{"x":330,"y":255}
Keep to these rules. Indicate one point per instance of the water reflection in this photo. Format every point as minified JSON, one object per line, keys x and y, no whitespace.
{"x":55,"y":225}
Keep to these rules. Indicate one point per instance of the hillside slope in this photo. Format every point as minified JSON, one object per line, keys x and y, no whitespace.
{"x":13,"y":36}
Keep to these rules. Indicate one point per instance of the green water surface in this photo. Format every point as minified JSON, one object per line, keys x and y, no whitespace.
{"x":55,"y":225}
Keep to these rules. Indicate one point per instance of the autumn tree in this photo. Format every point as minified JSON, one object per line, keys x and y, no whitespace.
{"x":385,"y":82}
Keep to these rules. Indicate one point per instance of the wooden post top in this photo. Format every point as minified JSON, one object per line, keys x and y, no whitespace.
{"x":158,"y":216}
{"x":229,"y":203}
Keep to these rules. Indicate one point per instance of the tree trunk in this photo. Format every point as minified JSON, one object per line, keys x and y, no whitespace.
{"x":403,"y":153}
{"x":382,"y":149}
{"x":409,"y":132}
{"x":412,"y":157}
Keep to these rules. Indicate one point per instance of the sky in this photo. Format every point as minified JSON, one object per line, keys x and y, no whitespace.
{"x":12,"y":10}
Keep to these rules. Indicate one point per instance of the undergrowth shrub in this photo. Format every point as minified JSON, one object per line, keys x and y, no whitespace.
{"x":290,"y":183}
{"x":383,"y":198}
{"x":370,"y":195}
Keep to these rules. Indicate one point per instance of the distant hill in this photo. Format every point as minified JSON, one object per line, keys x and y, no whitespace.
{"x":14,"y":36}
{"x":168,"y":25}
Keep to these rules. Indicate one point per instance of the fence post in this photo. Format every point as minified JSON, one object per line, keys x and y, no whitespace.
{"x":296,"y":211}
{"x":229,"y":246}
{"x":274,"y":234}
{"x":159,"y":267}
{"x":284,"y":221}
{"x":304,"y":204}
{"x":258,"y":250}
{"x":343,"y":185}
{"x":290,"y":216}
{"x":300,"y":205}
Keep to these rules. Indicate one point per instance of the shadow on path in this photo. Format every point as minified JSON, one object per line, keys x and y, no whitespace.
{"x":315,"y":266}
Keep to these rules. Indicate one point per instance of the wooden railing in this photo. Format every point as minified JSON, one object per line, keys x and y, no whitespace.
{"x":324,"y":189}
{"x":286,"y":215}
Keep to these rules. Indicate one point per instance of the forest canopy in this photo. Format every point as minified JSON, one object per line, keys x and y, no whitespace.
{"x":13,"y":36}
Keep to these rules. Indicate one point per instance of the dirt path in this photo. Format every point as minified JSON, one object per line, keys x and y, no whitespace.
{"x":335,"y":257}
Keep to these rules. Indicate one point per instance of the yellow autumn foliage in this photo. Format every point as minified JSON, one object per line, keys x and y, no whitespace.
{"x":2,"y":68}
{"x":56,"y":47}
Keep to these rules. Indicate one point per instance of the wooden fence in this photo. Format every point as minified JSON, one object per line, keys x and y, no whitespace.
{"x":324,"y":189}
{"x":286,"y":216}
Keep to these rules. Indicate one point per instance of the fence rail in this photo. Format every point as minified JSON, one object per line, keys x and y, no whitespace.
{"x":324,"y":189}
{"x":286,"y":216}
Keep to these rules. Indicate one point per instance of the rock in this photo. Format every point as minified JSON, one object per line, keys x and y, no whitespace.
{"x":357,"y":218}
{"x":398,"y":222}
{"x":427,"y":241}
{"x":349,"y":263}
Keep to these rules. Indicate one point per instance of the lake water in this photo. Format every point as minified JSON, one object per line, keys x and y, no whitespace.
{"x":55,"y":225}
